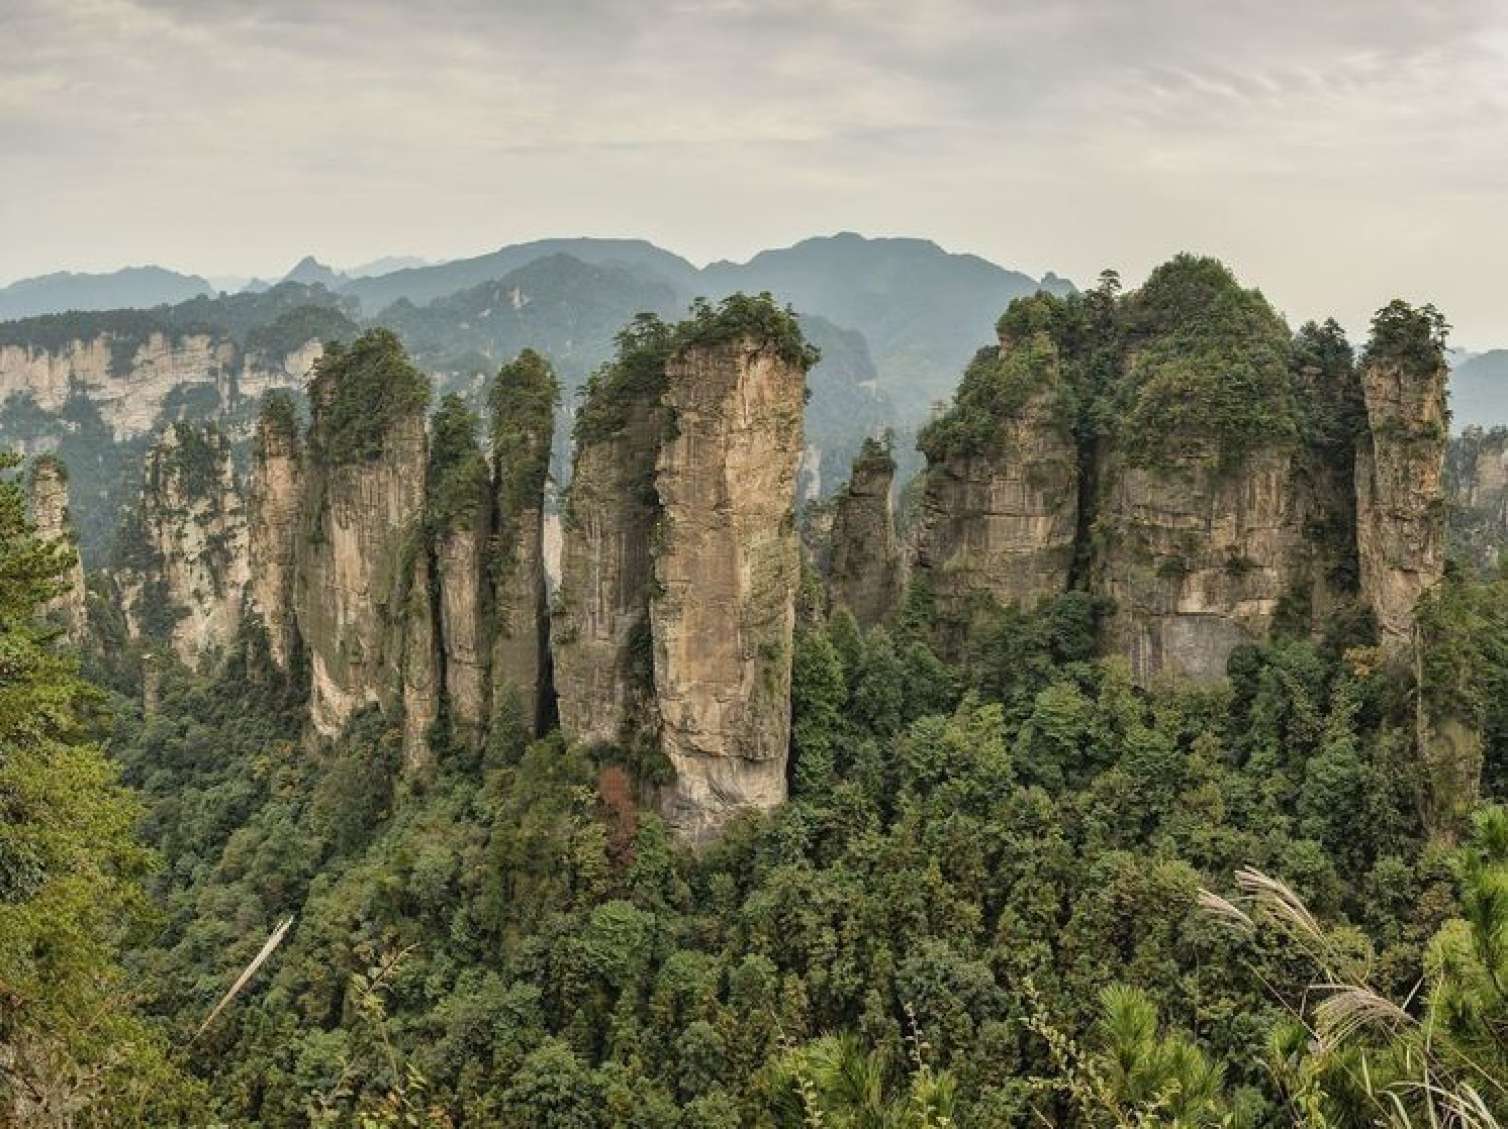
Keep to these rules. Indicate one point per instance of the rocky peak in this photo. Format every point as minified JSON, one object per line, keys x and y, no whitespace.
{"x":865,"y":572}
{"x":47,"y":489}
{"x":1001,"y":501}
{"x":361,"y":517}
{"x":680,"y":561}
{"x":1400,"y":497}
{"x":727,"y":566}
{"x":185,"y":552}
{"x":523,"y":403}
{"x":273,"y":498}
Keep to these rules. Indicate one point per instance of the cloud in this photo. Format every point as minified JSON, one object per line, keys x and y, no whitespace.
{"x":1335,"y":153}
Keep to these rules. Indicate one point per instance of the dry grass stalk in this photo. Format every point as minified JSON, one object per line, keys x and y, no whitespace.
{"x":247,"y":973}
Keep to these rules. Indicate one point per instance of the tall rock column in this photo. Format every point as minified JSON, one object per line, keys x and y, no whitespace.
{"x":1198,"y":534}
{"x":187,"y":558}
{"x":359,"y":558}
{"x":599,"y":626}
{"x":727,"y":566}
{"x":866,"y":569}
{"x":460,"y":522}
{"x":273,"y":522}
{"x":48,"y":499}
{"x":523,"y":403}
{"x":1400,"y":462}
{"x":1001,"y":507}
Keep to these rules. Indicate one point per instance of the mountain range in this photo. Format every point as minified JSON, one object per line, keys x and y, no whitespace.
{"x":920,"y":309}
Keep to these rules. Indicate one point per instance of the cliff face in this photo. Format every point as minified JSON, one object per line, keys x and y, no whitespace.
{"x":48,"y":500}
{"x":1000,"y":510}
{"x":461,"y":570}
{"x":1400,"y":497}
{"x":360,"y":555}
{"x":523,"y":430}
{"x":726,"y":572}
{"x":1180,"y":453}
{"x":130,"y":382}
{"x":192,"y":563}
{"x":600,"y":623}
{"x":1197,"y":558}
{"x":865,"y":572}
{"x":273,"y":498}
{"x":1476,"y":482}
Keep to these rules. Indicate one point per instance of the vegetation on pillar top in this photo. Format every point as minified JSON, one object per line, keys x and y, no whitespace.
{"x":1206,"y":360}
{"x":359,"y":392}
{"x":636,"y":375}
{"x":759,"y":318}
{"x":1409,"y":336}
{"x":195,"y":460}
{"x":458,"y":479}
{"x":522,"y":402}
{"x":278,"y":417}
{"x":874,"y":457}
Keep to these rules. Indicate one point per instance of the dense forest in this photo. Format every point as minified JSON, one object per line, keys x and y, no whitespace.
{"x":1012,"y":884}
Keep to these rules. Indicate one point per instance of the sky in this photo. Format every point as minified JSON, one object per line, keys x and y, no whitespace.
{"x":1336,"y":153}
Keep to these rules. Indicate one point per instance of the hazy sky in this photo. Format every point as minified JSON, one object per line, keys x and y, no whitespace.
{"x":1336,"y":153}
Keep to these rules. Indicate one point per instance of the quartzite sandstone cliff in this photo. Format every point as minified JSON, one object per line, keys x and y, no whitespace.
{"x":48,"y":500}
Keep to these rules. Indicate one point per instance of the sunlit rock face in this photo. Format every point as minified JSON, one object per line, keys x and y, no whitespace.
{"x":1001,"y":512}
{"x":360,"y":559}
{"x":600,"y":619}
{"x":1197,"y":557}
{"x":274,"y":492}
{"x":726,"y":568}
{"x":48,"y":500}
{"x":188,"y":566}
{"x":1400,"y":494}
{"x":132,"y":384}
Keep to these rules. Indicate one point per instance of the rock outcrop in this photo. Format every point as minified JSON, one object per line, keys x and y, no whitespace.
{"x":727,"y":566}
{"x":1197,"y":558}
{"x":673,"y":625}
{"x":360,"y":553}
{"x":523,"y":430}
{"x":274,"y":494}
{"x":1400,"y":496}
{"x":131,"y":382}
{"x":1001,"y":502}
{"x":186,"y":549}
{"x":1179,"y":453}
{"x":459,"y":520}
{"x":1476,"y":482}
{"x":865,"y":571}
{"x":600,"y":635}
{"x":48,"y":501}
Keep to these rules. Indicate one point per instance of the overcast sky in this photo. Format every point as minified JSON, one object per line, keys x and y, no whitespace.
{"x":1336,"y":153}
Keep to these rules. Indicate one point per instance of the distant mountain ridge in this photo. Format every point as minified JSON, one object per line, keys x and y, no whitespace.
{"x":1479,"y":391}
{"x":921,"y":310}
{"x":128,"y":288}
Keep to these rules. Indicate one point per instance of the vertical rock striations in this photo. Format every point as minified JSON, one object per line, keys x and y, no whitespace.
{"x":48,"y":500}
{"x":1400,"y":498}
{"x":727,"y":566}
{"x":273,"y":496}
{"x":1001,"y":503}
{"x":1199,"y":536}
{"x":523,"y":404}
{"x":673,"y":625}
{"x":185,"y":550}
{"x":600,"y":634}
{"x":362,"y":529}
{"x":1476,"y":481}
{"x":460,"y":523}
{"x":865,"y":572}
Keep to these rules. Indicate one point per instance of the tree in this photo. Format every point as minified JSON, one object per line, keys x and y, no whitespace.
{"x":72,"y":1052}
